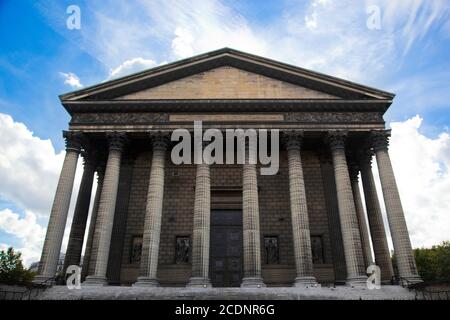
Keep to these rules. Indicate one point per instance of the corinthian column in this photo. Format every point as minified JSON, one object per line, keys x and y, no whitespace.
{"x":399,"y":231}
{"x":356,"y":274}
{"x":92,"y":223}
{"x":250,"y":213}
{"x":376,"y":224}
{"x":60,"y":209}
{"x":365,"y":239}
{"x":153,"y":214}
{"x":106,"y":208}
{"x":80,"y":215}
{"x":202,"y":211}
{"x":299,"y":213}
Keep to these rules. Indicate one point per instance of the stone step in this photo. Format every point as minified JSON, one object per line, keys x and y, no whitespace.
{"x":142,"y":293}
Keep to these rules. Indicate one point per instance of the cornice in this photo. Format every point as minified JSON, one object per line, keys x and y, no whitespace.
{"x":226,"y":105}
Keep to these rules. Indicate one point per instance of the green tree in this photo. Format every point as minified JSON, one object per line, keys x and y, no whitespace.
{"x":12,"y":269}
{"x":433,"y":263}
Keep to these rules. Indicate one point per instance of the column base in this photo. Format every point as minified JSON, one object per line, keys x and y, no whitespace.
{"x":252,"y":282}
{"x":357,"y":282}
{"x":199,"y":282}
{"x":410,"y":280}
{"x":44,"y":280}
{"x":306,"y":282}
{"x":146,"y":282}
{"x":98,"y":281}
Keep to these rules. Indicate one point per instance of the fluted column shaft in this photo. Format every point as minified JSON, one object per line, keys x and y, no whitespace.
{"x":94,"y":212}
{"x":375,"y":218}
{"x":299,"y":213}
{"x":360,"y":213}
{"x":396,"y":218}
{"x":106,"y":209}
{"x":80,"y":215}
{"x":58,"y":216}
{"x":251,"y":228}
{"x":201,"y":230}
{"x":153,"y":215}
{"x":354,"y":260}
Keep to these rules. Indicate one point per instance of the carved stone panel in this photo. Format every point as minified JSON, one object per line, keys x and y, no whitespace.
{"x":119,"y":118}
{"x":136,"y":249}
{"x":317,"y":249}
{"x":182,"y":250}
{"x":271,"y":250}
{"x":347,"y":117}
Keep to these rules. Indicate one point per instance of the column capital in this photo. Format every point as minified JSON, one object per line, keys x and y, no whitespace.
{"x":336,"y":139}
{"x":380,"y":139}
{"x":74,"y":140}
{"x":160,"y":140}
{"x":117,"y":140}
{"x":100,"y":168}
{"x":365,"y":156}
{"x":293,"y":139}
{"x":353,"y":164}
{"x":89,"y":157}
{"x":353,"y":171}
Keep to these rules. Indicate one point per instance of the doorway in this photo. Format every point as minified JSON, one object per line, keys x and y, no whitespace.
{"x":226,"y":248}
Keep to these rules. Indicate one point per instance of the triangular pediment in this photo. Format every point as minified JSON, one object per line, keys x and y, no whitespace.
{"x":226,"y":74}
{"x":227,"y":83}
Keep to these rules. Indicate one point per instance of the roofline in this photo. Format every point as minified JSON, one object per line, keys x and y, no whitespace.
{"x":225,"y":51}
{"x":227,"y":105}
{"x":151,"y":70}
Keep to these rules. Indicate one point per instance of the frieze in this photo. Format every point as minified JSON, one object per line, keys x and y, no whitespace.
{"x":349,"y":117}
{"x":154,"y":117}
{"x":116,"y":118}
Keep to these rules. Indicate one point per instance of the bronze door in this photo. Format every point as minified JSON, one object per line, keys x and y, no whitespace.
{"x":226,"y":248}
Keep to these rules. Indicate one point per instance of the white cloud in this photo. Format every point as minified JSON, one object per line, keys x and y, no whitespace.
{"x":132,"y":66}
{"x":199,"y":26}
{"x":71,"y":79}
{"x":311,"y":21}
{"x":412,"y":19}
{"x":27,"y":230}
{"x":325,"y":35}
{"x":29,"y":167}
{"x":182,"y":43}
{"x":29,"y":171}
{"x":421,"y":166}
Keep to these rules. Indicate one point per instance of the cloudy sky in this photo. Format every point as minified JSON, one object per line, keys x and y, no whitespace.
{"x":401,"y":46}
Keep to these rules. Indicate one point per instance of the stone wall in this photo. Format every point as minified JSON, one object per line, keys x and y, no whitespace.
{"x":227,"y":83}
{"x":178,"y":207}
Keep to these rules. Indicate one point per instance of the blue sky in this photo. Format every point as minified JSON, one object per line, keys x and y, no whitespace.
{"x":40,"y":58}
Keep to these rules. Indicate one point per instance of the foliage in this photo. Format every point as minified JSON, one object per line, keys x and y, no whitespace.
{"x":12,"y":270}
{"x":434,"y":263}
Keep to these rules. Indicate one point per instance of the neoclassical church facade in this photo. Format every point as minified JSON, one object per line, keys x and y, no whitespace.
{"x":156,"y":223}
